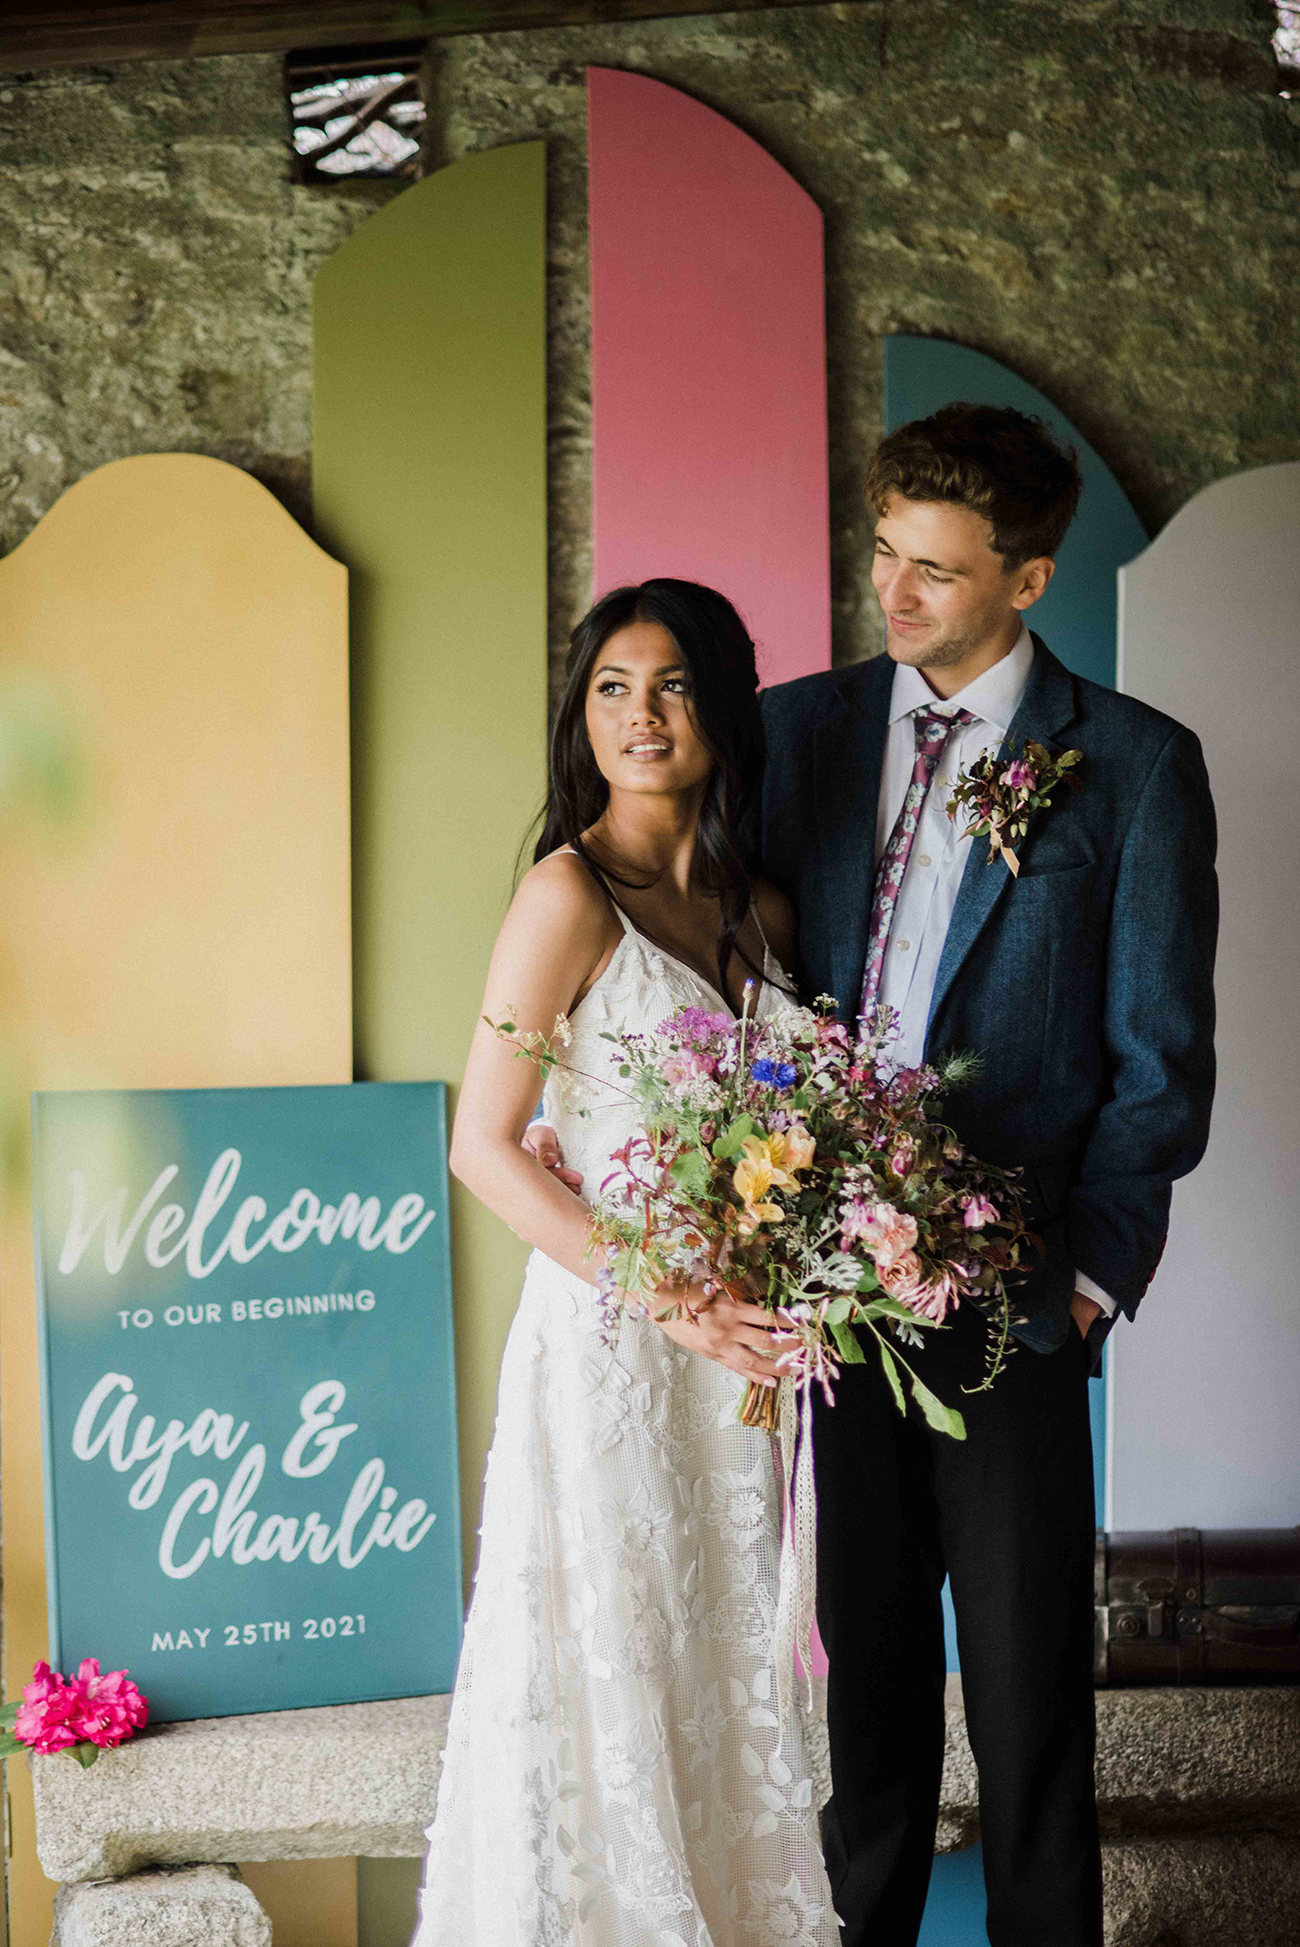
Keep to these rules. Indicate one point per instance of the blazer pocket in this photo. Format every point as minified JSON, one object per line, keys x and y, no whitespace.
{"x":1049,"y":877}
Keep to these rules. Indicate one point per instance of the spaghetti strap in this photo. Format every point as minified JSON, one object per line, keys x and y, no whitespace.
{"x":623,"y":919}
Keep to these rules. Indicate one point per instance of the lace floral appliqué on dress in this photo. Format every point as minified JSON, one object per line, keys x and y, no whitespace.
{"x":616,"y":1773}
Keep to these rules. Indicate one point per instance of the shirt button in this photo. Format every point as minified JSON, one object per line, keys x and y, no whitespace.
{"x":924,"y":859}
{"x":904,"y":945}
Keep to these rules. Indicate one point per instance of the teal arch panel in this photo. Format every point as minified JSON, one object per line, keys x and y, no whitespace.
{"x":1078,"y":614}
{"x":1078,"y":617}
{"x":954,"y":1911}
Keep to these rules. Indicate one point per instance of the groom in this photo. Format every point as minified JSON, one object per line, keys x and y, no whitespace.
{"x":1085,"y":984}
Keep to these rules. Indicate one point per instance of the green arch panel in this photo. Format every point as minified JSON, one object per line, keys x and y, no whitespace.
{"x":429,"y":480}
{"x":1079,"y":613}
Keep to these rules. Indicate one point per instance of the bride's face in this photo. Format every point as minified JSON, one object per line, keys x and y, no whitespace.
{"x":638,"y":714}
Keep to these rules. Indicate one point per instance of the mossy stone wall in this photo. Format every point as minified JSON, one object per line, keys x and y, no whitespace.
{"x":1103,"y":194}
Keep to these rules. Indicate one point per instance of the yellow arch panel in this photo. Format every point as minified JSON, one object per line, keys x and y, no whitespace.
{"x":189,"y":925}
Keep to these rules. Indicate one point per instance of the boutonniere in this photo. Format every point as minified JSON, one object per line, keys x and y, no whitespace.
{"x":1002,"y":794}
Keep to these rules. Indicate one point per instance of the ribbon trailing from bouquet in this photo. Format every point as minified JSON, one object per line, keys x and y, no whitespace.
{"x":796,"y":1601}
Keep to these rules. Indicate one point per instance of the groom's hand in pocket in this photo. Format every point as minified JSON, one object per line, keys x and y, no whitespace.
{"x":542,"y":1143}
{"x":1085,"y":1312}
{"x":736,"y":1334}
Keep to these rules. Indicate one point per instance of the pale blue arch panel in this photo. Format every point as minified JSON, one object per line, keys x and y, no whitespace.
{"x":1078,"y":614}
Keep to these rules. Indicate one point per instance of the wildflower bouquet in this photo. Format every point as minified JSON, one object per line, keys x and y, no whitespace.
{"x":803,"y":1170}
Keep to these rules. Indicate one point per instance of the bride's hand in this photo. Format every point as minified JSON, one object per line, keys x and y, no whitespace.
{"x":541,"y":1142}
{"x":738,"y":1335}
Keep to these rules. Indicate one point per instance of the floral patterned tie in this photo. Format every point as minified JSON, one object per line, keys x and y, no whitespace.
{"x":932,"y":733}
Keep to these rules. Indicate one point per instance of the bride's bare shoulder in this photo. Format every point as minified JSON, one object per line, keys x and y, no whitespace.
{"x":560,"y":894}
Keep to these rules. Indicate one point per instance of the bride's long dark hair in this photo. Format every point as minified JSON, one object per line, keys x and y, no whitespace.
{"x":718,"y":654}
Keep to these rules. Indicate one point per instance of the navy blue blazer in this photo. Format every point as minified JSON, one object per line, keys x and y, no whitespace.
{"x":1086,"y":984}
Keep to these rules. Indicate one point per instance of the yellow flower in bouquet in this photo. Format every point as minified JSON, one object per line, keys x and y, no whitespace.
{"x":769,"y":1162}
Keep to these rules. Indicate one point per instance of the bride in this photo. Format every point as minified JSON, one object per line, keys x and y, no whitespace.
{"x":617,"y":1773}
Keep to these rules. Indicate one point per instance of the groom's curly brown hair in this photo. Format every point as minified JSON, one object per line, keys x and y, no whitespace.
{"x":1002,"y":464}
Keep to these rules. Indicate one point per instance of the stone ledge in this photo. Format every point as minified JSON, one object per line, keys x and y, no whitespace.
{"x":362,"y":1779}
{"x":1168,"y":1760}
{"x":1198,"y":1760}
{"x":1218,"y":1892}
{"x":289,"y":1784}
{"x":191,"y":1906}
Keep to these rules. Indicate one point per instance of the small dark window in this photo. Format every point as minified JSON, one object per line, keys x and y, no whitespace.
{"x":355,"y":111}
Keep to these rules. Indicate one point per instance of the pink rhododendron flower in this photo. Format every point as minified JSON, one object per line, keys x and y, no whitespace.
{"x":48,"y":1704}
{"x":111,"y":1707}
{"x":978,"y":1211}
{"x":60,"y":1712}
{"x":1020,"y":776}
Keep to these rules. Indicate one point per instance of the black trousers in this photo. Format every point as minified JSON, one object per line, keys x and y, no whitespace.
{"x":1008,"y":1515}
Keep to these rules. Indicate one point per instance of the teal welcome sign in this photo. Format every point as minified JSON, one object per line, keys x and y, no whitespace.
{"x":249,"y":1395}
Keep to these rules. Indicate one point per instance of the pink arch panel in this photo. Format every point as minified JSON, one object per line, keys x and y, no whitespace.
{"x":708,"y":366}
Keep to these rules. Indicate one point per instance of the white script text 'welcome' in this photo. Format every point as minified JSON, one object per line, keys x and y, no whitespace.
{"x":169,"y":1233}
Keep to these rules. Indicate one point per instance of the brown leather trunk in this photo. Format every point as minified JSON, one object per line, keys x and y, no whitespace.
{"x":1196,"y":1605}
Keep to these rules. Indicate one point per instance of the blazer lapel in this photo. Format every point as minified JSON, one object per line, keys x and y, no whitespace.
{"x":1047,"y":706}
{"x":849,"y":751}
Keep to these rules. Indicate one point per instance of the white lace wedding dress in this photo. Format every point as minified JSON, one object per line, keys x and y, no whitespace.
{"x":616,"y":1774}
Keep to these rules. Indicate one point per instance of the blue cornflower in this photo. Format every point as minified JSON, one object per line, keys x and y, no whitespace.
{"x":776,"y":1074}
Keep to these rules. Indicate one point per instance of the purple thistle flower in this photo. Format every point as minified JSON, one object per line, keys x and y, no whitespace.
{"x":695,"y":1026}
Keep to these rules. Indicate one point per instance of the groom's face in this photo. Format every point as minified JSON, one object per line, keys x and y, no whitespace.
{"x":948,"y":599}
